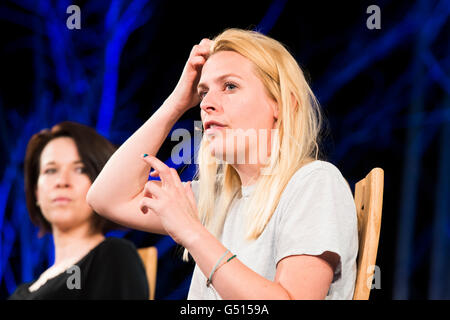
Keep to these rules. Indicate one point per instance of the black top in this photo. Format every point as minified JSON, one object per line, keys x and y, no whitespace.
{"x":112,"y":270}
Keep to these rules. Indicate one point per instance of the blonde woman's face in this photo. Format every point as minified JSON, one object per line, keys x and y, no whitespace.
{"x":242,"y":114}
{"x":62,"y":185}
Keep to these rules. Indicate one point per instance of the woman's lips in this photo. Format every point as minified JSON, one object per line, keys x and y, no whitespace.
{"x":61,"y":200}
{"x":214,"y":129}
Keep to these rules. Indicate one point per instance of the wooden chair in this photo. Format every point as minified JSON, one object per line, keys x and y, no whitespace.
{"x":369,"y":202}
{"x":149,"y":257}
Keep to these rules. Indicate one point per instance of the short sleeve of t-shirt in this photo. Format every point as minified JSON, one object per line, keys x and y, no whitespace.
{"x":318,"y":215}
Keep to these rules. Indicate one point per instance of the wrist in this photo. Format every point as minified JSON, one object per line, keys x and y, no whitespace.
{"x":196,"y":235}
{"x":174,"y":104}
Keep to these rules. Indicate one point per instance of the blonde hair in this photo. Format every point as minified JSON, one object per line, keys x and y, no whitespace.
{"x":297,"y":143}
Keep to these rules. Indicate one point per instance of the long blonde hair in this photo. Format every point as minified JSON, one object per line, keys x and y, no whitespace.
{"x":297,"y":143}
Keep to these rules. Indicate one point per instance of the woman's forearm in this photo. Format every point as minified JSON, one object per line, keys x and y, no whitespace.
{"x":125,"y":175}
{"x":119,"y":189}
{"x":232,"y":280}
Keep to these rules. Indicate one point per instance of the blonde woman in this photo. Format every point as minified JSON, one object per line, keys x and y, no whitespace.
{"x":278,"y":225}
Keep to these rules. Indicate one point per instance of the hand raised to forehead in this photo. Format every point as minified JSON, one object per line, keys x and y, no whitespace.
{"x":185,"y":94}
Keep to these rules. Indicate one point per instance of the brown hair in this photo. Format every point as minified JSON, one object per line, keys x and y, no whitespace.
{"x":94,"y":151}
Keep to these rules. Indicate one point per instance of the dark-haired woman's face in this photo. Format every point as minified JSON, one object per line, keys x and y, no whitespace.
{"x":62,"y":186}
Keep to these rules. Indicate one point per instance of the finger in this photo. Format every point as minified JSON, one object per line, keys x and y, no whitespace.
{"x":152,"y":189}
{"x":161,"y":167}
{"x":175,"y":177}
{"x":198,"y":50}
{"x":148,"y":205}
{"x":206,"y":43}
{"x":191,"y":198}
{"x":198,"y":61}
{"x":154,"y":173}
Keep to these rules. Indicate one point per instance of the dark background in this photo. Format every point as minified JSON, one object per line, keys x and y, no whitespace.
{"x":384,"y":92}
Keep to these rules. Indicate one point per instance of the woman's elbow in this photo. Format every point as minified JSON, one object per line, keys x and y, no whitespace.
{"x":93,"y":199}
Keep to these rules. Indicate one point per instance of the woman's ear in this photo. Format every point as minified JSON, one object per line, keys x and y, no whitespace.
{"x":275,"y":110}
{"x":274,"y":106}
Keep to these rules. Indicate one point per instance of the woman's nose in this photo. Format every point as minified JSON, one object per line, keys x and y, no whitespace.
{"x":63,"y":180}
{"x":209,"y":102}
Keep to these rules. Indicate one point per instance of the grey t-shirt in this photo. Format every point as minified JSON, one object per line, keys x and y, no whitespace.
{"x":316,"y":213}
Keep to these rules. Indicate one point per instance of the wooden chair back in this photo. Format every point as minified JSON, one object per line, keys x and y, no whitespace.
{"x":149,"y":257}
{"x":369,"y":202}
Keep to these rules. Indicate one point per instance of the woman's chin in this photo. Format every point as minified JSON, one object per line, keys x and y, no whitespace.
{"x":228,"y":157}
{"x":224,"y":151}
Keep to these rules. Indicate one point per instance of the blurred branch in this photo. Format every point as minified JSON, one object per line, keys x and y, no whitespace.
{"x":354,"y":63}
{"x":120,"y":29}
{"x":436,"y":71}
{"x":271,"y":16}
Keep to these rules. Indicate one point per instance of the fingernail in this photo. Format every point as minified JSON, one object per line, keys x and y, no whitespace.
{"x":145,"y":155}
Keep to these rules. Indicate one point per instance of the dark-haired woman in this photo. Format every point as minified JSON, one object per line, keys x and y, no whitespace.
{"x":60,"y":165}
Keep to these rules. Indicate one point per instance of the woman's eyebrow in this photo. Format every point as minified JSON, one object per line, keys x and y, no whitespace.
{"x":49,"y":163}
{"x":52,"y":162}
{"x":203,"y":85}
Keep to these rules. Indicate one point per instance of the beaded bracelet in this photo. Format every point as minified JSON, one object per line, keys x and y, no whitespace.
{"x":209,"y":280}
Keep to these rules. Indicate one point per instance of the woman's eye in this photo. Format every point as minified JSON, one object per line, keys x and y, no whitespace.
{"x":230,"y":86}
{"x":80,"y":170}
{"x":202,"y":94}
{"x":49,"y":171}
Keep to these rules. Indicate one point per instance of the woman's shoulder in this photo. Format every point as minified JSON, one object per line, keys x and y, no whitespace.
{"x":115,"y":271}
{"x":114,"y":243}
{"x":317,"y":167}
{"x":21,"y":292}
{"x":316,"y":178}
{"x":318,"y":170}
{"x":114,"y":251}
{"x":311,"y":170}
